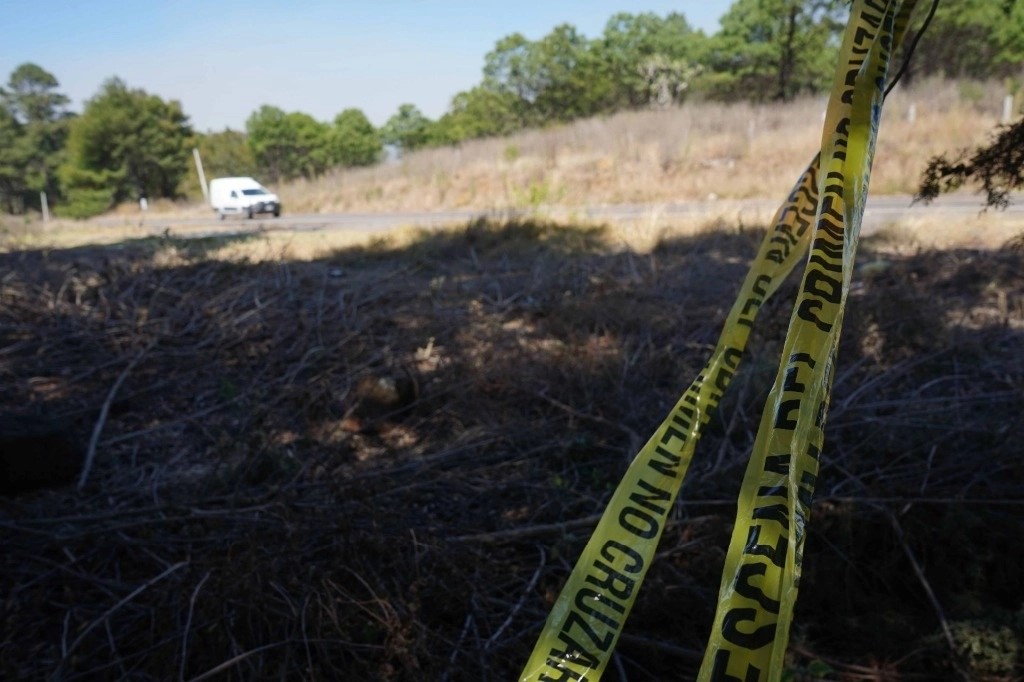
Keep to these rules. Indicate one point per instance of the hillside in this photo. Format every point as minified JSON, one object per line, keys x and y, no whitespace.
{"x":696,"y":151}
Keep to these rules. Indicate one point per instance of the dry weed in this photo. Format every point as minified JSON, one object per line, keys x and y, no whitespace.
{"x":697,"y":151}
{"x":236,"y":525}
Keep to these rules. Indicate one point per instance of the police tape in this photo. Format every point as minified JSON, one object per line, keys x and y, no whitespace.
{"x":586,"y":620}
{"x":762,"y":568}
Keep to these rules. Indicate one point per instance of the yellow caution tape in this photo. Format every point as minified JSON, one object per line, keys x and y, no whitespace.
{"x":762,"y":568}
{"x":587,"y":618}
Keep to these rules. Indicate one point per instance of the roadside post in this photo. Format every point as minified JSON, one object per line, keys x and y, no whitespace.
{"x":202,"y":176}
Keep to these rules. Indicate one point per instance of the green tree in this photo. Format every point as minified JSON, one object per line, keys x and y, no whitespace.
{"x":38,"y":119}
{"x":573,"y":81}
{"x":512,"y":72}
{"x":560,"y":77}
{"x":479,"y":112}
{"x":13,"y":159}
{"x":988,"y":38}
{"x":641,"y":59}
{"x":126,"y":144}
{"x":408,"y":129}
{"x":271,"y":140}
{"x":311,"y":154}
{"x":353,"y":139}
{"x":224,"y":154}
{"x":288,"y":145}
{"x":32,"y":94}
{"x":972,"y":38}
{"x":646,"y":54}
{"x":774,"y":49}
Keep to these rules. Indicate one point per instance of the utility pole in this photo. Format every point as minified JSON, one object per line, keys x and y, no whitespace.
{"x":202,"y":176}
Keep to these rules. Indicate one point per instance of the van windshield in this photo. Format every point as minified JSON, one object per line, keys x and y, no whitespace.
{"x":252,"y":192}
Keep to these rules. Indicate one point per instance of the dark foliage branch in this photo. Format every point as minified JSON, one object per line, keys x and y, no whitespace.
{"x":997,"y":167}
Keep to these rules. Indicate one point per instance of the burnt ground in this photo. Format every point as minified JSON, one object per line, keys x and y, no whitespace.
{"x":382,"y":464}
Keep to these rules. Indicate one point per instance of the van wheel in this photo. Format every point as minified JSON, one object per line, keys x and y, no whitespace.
{"x":248,"y":213}
{"x":277,"y":212}
{"x":220,"y":215}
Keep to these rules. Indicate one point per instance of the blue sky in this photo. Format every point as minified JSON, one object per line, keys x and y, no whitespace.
{"x":223,"y":59}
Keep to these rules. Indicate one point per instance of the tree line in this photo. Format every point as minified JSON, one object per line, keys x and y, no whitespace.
{"x":127,"y":143}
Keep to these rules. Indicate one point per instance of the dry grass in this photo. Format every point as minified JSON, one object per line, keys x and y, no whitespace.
{"x":250,"y":517}
{"x":252,"y":244}
{"x":698,"y":151}
{"x":640,"y":234}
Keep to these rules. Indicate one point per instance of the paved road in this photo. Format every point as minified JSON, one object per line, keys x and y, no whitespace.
{"x":880,"y":211}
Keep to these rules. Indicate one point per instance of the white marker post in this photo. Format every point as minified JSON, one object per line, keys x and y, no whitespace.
{"x":46,"y":207}
{"x":202,"y":176}
{"x":1007,"y":108}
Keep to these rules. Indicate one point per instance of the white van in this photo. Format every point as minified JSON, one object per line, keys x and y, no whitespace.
{"x":243,"y":196}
